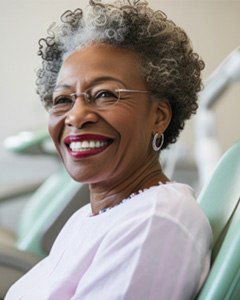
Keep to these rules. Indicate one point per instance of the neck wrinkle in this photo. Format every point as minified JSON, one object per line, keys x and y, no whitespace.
{"x":102,"y":197}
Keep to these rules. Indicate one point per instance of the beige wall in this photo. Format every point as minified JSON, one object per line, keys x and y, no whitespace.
{"x":213,"y":26}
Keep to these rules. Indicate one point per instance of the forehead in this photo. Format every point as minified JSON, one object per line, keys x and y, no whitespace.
{"x":100,"y":60}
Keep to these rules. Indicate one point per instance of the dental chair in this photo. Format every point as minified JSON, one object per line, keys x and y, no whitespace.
{"x":220,"y":200}
{"x":45,"y":213}
{"x":42,"y":221}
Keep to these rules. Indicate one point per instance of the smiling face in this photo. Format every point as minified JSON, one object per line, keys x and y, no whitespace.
{"x":105,"y":144}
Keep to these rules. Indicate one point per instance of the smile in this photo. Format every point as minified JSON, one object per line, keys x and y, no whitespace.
{"x":87,"y":145}
{"x":81,"y":146}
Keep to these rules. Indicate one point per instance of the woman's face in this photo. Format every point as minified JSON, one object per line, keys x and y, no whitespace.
{"x":107,"y":144}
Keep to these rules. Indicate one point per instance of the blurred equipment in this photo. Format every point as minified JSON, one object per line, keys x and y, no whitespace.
{"x":207,"y":148}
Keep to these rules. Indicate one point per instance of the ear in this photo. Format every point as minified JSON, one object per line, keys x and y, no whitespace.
{"x":163,"y":114}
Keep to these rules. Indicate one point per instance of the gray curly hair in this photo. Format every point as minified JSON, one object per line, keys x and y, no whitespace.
{"x":170,"y":67}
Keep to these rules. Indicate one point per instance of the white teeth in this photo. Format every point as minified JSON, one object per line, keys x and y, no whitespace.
{"x":86,"y":145}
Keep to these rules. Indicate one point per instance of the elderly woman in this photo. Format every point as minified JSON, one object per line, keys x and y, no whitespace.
{"x":119,"y":82}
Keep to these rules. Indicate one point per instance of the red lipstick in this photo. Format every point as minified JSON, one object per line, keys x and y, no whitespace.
{"x":85,"y":145}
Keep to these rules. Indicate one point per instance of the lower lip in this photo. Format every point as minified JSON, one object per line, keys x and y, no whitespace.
{"x":86,"y":153}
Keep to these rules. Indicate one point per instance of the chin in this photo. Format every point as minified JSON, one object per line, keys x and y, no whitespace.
{"x":81,"y":176}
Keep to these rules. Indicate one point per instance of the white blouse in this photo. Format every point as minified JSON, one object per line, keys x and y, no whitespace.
{"x":156,"y":245}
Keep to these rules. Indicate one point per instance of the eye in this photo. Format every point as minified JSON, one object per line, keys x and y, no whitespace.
{"x":62,"y":99}
{"x":105,"y":96}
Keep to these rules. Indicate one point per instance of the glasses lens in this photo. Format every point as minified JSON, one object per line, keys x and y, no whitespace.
{"x":62,"y":103}
{"x":105,"y":94}
{"x":101,"y":95}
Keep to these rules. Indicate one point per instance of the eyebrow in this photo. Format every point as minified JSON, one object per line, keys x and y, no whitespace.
{"x":61,"y":87}
{"x":91,"y":83}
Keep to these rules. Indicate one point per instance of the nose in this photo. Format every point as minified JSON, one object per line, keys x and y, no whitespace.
{"x":80,"y":114}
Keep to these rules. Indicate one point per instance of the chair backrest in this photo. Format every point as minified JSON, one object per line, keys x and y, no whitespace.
{"x":220,"y":196}
{"x":223,"y":282}
{"x":220,"y":202}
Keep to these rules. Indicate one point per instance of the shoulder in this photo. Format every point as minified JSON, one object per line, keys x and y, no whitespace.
{"x":173,"y":201}
{"x":167,"y":207}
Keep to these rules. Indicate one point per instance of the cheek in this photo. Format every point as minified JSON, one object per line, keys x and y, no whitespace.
{"x":133,"y":129}
{"x":55,"y":128}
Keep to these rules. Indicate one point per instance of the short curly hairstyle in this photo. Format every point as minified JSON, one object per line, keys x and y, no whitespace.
{"x":169,"y":65}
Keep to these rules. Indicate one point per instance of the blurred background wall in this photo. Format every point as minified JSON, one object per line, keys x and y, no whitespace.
{"x":213,"y":26}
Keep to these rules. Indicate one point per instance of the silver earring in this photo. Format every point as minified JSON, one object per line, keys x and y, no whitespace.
{"x":154,"y":142}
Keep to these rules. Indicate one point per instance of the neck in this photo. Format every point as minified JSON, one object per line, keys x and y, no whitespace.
{"x":104,"y":195}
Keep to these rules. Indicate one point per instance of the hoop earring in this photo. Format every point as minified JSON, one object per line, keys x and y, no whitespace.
{"x":154,"y":142}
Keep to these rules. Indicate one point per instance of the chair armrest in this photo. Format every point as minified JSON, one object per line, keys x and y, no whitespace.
{"x":9,"y":192}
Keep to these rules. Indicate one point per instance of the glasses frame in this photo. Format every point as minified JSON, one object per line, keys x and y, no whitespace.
{"x":85,"y":95}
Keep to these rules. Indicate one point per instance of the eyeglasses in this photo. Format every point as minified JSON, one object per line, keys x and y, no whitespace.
{"x":101,"y":96}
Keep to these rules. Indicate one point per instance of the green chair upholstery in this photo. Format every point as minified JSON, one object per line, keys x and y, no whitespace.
{"x":220,"y":202}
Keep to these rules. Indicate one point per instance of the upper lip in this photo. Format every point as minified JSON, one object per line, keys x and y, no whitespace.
{"x":85,"y":137}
